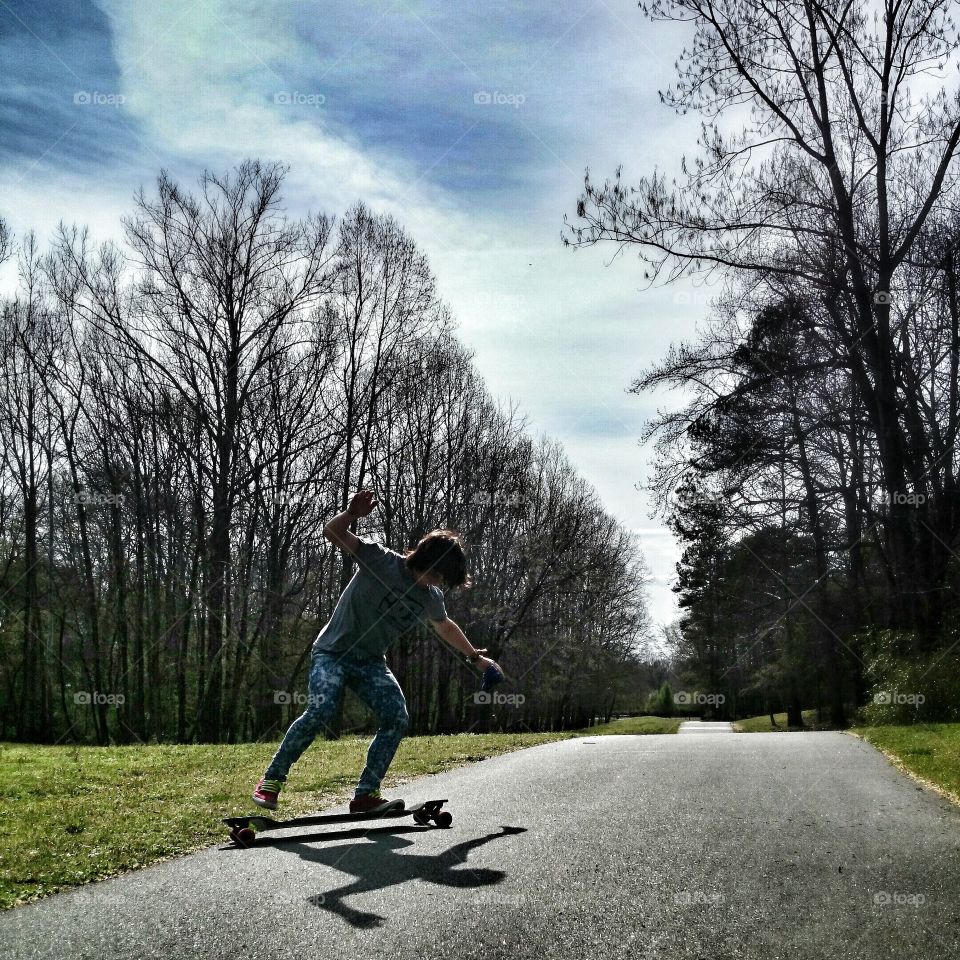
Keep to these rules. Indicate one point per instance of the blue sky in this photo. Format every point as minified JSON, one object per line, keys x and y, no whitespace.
{"x":472,"y":123}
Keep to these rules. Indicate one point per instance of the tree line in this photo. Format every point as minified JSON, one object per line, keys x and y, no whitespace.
{"x":811,"y":470}
{"x":183,"y":409}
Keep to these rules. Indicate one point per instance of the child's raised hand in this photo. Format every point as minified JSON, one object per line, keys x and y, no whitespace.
{"x":362,"y":503}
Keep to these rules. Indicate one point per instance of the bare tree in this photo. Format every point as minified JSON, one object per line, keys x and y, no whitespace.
{"x":6,"y":241}
{"x":219,"y":279}
{"x":829,"y":185}
{"x":190,"y":408}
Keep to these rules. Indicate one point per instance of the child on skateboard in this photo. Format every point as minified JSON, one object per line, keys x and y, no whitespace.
{"x":389,"y":594}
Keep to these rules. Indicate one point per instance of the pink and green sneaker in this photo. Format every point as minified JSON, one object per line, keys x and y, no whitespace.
{"x":374,"y":803}
{"x":267,"y":792}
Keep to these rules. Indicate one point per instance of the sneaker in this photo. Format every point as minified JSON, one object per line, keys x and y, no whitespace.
{"x":373,"y":803}
{"x":267,"y":792}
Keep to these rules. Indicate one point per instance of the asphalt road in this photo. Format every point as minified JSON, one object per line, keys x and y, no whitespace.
{"x":705,"y":726}
{"x":750,"y":845}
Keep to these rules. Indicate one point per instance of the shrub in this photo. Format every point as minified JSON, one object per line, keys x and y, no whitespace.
{"x":907,"y":687}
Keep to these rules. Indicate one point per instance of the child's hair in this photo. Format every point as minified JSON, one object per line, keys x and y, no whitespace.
{"x":441,"y":552}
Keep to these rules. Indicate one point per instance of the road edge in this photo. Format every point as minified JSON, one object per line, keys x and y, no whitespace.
{"x":896,"y":762}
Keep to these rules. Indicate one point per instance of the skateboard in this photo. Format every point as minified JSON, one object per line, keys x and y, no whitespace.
{"x":244,"y":830}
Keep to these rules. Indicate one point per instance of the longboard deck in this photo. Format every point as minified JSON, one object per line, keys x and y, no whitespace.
{"x":243,"y":830}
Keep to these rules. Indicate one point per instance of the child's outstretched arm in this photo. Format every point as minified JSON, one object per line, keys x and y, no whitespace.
{"x":453,"y":635}
{"x":337,"y":530}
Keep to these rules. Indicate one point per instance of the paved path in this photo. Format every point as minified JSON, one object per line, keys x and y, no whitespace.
{"x":780,"y":846}
{"x":705,"y":726}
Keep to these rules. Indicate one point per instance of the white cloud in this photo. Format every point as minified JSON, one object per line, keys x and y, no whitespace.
{"x":555,"y":329}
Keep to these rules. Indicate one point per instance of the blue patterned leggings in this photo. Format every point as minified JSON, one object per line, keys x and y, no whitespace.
{"x":375,"y":684}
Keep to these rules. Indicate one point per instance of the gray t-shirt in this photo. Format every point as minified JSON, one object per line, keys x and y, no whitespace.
{"x":380,"y":602}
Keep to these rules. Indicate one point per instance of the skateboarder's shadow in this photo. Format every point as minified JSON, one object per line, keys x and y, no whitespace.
{"x":378,"y":865}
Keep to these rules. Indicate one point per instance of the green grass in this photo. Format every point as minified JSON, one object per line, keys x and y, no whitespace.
{"x":930,"y":751}
{"x":76,"y":814}
{"x":762,"y":724}
{"x":633,"y":725}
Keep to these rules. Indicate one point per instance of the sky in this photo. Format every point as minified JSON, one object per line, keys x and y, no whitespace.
{"x":473,"y":124}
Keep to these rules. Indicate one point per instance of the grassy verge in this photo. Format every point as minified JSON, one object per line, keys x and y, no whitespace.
{"x":930,"y":752}
{"x":76,"y":814}
{"x":634,"y":725}
{"x":762,"y":724}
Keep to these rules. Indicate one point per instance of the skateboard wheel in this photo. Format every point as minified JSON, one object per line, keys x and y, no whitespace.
{"x":243,"y":836}
{"x":443,"y":818}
